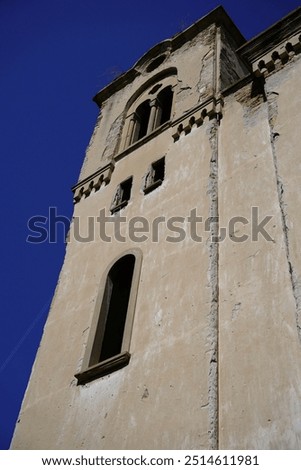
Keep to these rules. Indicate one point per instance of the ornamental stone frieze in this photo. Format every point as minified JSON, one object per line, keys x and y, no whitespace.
{"x":92,"y":183}
{"x":278,"y":57}
{"x":212,"y":108}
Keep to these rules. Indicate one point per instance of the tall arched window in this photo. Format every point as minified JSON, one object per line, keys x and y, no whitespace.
{"x":150,"y":114}
{"x":164,"y":104}
{"x":110,"y":331}
{"x":141,"y":120}
{"x":108,"y":345}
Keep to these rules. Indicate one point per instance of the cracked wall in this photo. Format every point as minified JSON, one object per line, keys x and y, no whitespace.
{"x":195,"y":84}
{"x":212,"y":134}
{"x":287,"y":168}
{"x":259,"y":345}
{"x":231,"y":67}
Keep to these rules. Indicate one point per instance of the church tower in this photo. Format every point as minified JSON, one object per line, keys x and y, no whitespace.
{"x":176,"y":319}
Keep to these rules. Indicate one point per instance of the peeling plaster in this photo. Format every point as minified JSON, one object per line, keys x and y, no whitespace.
{"x":113,"y":138}
{"x":90,"y":145}
{"x":212,"y":133}
{"x":236,"y":310}
{"x":205,"y":77}
{"x":251,"y":98}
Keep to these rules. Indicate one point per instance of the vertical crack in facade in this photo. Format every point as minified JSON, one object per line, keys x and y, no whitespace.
{"x":294,"y":278}
{"x":212,"y":132}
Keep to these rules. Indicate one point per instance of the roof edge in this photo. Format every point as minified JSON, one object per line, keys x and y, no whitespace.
{"x":272,"y":36}
{"x":217,"y":16}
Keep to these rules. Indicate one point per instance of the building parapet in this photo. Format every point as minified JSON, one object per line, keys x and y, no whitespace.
{"x":275,"y":46}
{"x":278,"y":57}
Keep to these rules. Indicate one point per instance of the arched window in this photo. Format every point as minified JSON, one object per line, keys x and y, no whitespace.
{"x":164,"y":103}
{"x":142,"y":118}
{"x":109,"y":334}
{"x":150,"y":110}
{"x":108,"y":344}
{"x":149,"y":115}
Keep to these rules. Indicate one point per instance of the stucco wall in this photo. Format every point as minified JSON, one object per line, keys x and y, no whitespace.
{"x":258,"y":336}
{"x":215,"y":345}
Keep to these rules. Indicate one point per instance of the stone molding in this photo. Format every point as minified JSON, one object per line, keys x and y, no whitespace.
{"x":103,"y":368}
{"x":278,"y":57}
{"x":93,"y":182}
{"x":182,"y":126}
{"x":217,"y":16}
{"x":141,"y":142}
{"x":275,"y":46}
{"x":195,"y":118}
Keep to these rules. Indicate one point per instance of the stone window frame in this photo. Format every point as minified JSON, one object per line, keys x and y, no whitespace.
{"x":151,"y":180}
{"x":148,"y":94}
{"x":91,"y":372}
{"x":122,"y":195}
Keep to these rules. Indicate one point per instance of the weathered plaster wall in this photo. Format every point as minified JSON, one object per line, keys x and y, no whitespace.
{"x":230,"y":67}
{"x":196,"y":82}
{"x":259,"y":346}
{"x":284,"y":111}
{"x":147,"y":404}
{"x":215,"y":347}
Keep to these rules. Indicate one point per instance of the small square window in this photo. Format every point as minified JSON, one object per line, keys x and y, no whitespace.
{"x":122,"y":195}
{"x":155,"y":176}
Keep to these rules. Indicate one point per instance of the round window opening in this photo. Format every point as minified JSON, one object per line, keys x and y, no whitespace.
{"x":155,"y":63}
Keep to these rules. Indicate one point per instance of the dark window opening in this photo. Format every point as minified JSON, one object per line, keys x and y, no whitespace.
{"x":154,"y":176}
{"x":142,"y":116}
{"x":122,"y":195}
{"x":113,"y":313}
{"x":165,"y":103}
{"x":126,"y":187}
{"x":150,"y":114}
{"x":159,"y":169}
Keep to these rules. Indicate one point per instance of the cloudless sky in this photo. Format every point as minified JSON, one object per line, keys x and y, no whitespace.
{"x":54,"y":56}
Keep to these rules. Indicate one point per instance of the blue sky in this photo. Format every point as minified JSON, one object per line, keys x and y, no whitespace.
{"x":55,"y":55}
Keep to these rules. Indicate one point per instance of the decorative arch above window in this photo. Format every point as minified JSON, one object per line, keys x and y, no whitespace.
{"x":150,"y":108}
{"x":110,"y":334}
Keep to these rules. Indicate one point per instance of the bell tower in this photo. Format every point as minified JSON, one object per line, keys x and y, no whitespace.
{"x":163,"y":329}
